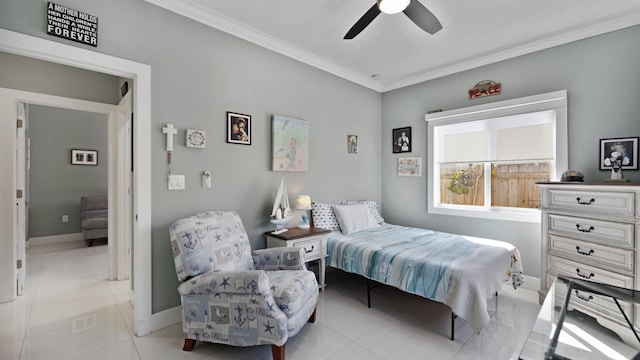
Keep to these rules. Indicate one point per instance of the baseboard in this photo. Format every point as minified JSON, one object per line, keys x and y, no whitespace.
{"x":166,"y":318}
{"x":54,"y":239}
{"x":531,"y":283}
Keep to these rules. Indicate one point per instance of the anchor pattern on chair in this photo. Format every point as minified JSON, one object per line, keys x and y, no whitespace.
{"x":233,"y":295}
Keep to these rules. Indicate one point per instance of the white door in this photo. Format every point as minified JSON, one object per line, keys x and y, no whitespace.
{"x":125,"y":258}
{"x":21,"y":228}
{"x":123,"y":197}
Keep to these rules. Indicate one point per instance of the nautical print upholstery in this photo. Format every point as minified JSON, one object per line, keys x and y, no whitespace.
{"x":230,"y":295}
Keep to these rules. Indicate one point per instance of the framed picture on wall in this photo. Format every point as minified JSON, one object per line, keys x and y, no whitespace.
{"x":626,"y":150}
{"x":238,"y":128}
{"x":290,"y":144}
{"x":84,"y":157}
{"x":196,"y":138}
{"x":352,"y":144}
{"x":402,"y":140}
{"x":410,"y":166}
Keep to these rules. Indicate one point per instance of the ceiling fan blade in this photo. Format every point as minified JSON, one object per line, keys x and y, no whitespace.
{"x":365,"y":20}
{"x":422,"y":17}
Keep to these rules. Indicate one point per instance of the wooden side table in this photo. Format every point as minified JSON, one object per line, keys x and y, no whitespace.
{"x":312,"y":240}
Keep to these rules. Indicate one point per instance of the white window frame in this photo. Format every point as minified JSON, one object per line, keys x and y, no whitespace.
{"x":554,"y":101}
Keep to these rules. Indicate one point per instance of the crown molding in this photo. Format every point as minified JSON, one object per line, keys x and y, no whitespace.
{"x":605,"y":26}
{"x":205,"y":16}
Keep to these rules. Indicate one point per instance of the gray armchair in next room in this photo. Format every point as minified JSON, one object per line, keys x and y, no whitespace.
{"x":93,"y":218}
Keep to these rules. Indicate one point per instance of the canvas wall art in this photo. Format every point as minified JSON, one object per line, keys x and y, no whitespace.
{"x":290,"y":144}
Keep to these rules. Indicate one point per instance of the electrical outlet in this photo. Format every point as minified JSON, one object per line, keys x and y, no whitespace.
{"x":65,"y":218}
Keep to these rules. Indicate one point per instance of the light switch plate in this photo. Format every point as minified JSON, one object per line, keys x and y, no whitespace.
{"x":176,"y":182}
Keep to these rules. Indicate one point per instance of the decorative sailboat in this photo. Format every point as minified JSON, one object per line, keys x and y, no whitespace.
{"x":281,"y":213}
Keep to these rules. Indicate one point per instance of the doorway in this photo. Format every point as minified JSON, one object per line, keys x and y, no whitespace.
{"x":55,"y":183}
{"x":42,"y":49}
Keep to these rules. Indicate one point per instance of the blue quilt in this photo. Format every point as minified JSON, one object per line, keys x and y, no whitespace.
{"x":460,"y":271}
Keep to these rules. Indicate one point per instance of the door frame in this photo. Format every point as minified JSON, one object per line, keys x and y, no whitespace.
{"x":38,"y":48}
{"x":118,"y":168}
{"x":21,"y":201}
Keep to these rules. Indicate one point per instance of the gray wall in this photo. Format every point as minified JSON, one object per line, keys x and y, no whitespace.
{"x":602,"y":77}
{"x":56,"y":186}
{"x":23,"y":73}
{"x":198,"y":74}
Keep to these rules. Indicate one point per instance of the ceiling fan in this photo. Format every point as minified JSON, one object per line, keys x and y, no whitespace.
{"x":419,"y":14}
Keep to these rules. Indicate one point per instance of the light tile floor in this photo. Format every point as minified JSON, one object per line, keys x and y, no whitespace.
{"x":69,"y":311}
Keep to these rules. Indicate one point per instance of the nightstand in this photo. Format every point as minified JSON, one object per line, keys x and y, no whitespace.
{"x":312,"y":240}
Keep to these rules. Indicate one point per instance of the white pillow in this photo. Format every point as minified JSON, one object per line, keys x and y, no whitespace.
{"x":353,"y":218}
{"x":373,"y":207}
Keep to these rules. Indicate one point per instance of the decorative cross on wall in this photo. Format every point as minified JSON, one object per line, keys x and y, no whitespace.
{"x":169,"y":130}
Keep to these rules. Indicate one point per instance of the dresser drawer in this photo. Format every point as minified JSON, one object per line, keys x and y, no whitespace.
{"x":606,"y":256}
{"x":560,"y":266}
{"x":595,"y":305}
{"x":604,"y":202}
{"x":600,"y":231}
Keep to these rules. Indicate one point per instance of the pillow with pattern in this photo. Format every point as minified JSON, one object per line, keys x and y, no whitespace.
{"x":323,"y":216}
{"x":373,"y":207}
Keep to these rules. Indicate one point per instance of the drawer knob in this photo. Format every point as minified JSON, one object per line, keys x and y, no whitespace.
{"x":310,"y":250}
{"x":584,"y":230}
{"x":585,"y":276}
{"x":591,"y":251}
{"x":585,"y":202}
{"x":582,"y":297}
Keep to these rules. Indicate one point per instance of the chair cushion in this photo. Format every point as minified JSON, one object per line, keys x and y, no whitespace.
{"x":210,"y":242}
{"x":279,"y":258}
{"x":95,"y":223}
{"x":88,"y":214}
{"x":292,"y":289}
{"x":93,"y":202}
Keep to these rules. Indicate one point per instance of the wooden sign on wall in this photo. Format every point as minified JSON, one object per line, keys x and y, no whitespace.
{"x":72,"y":24}
{"x":485,"y":88}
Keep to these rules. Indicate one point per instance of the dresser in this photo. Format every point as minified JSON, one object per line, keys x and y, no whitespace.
{"x":312,"y":240}
{"x":590,"y":231}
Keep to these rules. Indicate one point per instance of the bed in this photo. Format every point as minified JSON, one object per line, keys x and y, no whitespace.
{"x":462,"y":272}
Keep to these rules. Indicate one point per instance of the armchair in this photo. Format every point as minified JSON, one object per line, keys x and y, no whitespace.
{"x":234,"y":296}
{"x":94,"y":218}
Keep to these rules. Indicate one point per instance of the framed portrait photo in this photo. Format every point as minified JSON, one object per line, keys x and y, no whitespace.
{"x":84,"y":157}
{"x":626,"y":153}
{"x":402,"y":140}
{"x":238,"y":128}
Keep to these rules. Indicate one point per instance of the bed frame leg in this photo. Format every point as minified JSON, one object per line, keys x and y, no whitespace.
{"x":453,"y":326}
{"x":368,"y":294}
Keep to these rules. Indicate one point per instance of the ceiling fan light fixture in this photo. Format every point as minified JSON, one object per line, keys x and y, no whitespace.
{"x":392,"y":6}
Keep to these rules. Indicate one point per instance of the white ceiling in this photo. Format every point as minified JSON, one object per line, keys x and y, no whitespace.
{"x":392,"y":51}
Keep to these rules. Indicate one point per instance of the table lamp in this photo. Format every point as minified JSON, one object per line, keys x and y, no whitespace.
{"x":304,"y":204}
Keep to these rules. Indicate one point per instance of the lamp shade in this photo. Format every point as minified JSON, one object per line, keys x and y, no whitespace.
{"x":304,"y":202}
{"x":392,"y":6}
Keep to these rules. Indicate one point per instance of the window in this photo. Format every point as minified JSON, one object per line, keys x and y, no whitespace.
{"x":484,"y":160}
